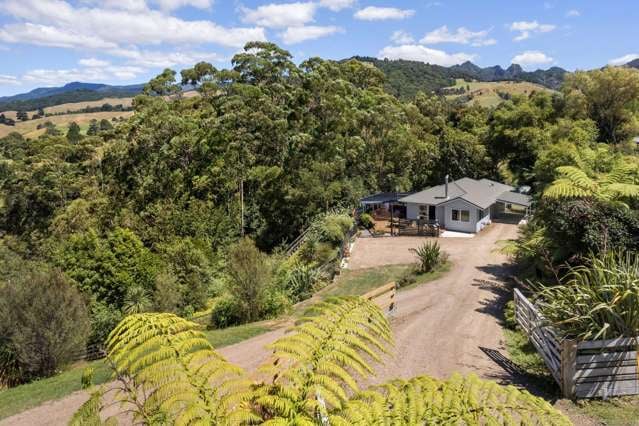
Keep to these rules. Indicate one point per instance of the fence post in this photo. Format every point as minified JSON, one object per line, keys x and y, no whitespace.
{"x":568,"y":367}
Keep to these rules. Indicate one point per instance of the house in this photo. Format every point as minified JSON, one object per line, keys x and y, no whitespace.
{"x":465,"y":205}
{"x":382,"y":202}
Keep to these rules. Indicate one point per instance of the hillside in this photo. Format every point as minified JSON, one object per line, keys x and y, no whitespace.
{"x":633,"y":64}
{"x":30,"y":129}
{"x":406,"y":78}
{"x":490,"y":93}
{"x":69,"y":93}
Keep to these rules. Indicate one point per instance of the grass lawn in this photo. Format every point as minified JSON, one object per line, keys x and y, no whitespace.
{"x":228,"y":336}
{"x":361,"y":281}
{"x":614,"y":412}
{"x":21,"y":398}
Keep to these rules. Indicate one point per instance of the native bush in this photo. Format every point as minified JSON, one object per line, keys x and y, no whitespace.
{"x":226,"y":312}
{"x":43,"y":323}
{"x":314,"y":376}
{"x":366,"y":221}
{"x":429,"y":256}
{"x":597,"y":300}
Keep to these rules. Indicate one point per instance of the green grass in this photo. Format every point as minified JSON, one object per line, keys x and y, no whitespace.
{"x":20,"y":398}
{"x":228,"y":336}
{"x":361,"y":281}
{"x":524,"y":354}
{"x":614,"y":412}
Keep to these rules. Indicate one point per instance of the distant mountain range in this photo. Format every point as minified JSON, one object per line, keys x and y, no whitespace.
{"x":71,"y":92}
{"x":633,"y":64}
{"x":404,"y":80}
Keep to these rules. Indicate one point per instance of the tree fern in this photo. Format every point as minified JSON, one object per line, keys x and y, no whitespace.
{"x":459,"y":401}
{"x":168,"y":369}
{"x":322,"y":359}
{"x":618,"y":185}
{"x":169,"y":374}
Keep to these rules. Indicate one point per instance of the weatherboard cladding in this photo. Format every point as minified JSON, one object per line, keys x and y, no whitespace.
{"x":481,"y":193}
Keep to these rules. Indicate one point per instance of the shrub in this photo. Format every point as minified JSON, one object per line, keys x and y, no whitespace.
{"x":510,"y":321}
{"x":300,"y":282}
{"x":597,"y":300}
{"x":43,"y":322}
{"x":86,"y":381}
{"x":366,"y":221}
{"x":250,"y":275}
{"x":429,"y":256}
{"x":226,"y":312}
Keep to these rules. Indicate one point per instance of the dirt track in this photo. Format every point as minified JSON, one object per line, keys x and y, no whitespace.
{"x":446,"y":326}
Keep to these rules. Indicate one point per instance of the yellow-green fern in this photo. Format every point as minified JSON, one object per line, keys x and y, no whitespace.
{"x":169,"y":374}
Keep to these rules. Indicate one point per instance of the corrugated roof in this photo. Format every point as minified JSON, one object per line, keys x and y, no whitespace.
{"x":482,"y":193}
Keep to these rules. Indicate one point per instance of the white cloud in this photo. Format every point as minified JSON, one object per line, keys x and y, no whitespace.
{"x":93,"y":62}
{"x":527,"y":28}
{"x":160,"y":59}
{"x":130,"y":5}
{"x":531,"y":57}
{"x":9,"y":80}
{"x":402,"y":37}
{"x":624,"y":59}
{"x":337,"y":5}
{"x":294,"y":35}
{"x":416,"y":52}
{"x":58,"y":23}
{"x":169,"y":5}
{"x":281,"y":15}
{"x":373,"y":13}
{"x":572,"y":13}
{"x":44,"y":35}
{"x":461,"y":36}
{"x":51,"y":77}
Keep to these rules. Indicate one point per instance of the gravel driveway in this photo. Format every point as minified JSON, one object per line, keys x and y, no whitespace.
{"x":439,"y":328}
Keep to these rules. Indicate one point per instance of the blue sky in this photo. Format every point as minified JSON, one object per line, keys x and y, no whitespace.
{"x":52,"y":42}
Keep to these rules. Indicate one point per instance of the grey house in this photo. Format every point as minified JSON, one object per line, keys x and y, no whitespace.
{"x":465,"y":205}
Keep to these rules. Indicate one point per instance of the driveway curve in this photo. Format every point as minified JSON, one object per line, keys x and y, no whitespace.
{"x":445,"y":326}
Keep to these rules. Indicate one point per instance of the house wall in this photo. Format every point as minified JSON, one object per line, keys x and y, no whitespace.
{"x":412,"y":211}
{"x":450,"y":224}
{"x":483,"y":219}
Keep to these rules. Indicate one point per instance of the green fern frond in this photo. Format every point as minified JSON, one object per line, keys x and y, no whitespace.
{"x":459,"y":400}
{"x":329,"y":348}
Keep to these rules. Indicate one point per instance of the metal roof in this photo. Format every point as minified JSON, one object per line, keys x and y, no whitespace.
{"x":384,"y":197}
{"x":482,"y":193}
{"x":515,"y":198}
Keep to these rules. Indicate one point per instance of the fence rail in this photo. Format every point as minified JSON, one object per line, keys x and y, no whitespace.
{"x":588,"y":369}
{"x":384,"y":297}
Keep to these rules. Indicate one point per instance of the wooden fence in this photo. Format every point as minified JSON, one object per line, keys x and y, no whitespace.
{"x":588,"y":369}
{"x":384,"y":297}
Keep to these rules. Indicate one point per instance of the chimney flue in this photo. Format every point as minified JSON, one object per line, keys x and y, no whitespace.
{"x":446,"y":186}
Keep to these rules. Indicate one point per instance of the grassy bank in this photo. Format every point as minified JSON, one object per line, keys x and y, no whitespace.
{"x":361,"y":281}
{"x":358,"y":282}
{"x":21,"y":398}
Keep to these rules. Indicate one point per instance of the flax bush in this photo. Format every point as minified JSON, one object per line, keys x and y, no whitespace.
{"x":599,"y":300}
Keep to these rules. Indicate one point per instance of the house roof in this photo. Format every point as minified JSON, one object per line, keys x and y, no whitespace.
{"x":481,"y":193}
{"x":384,"y":197}
{"x":515,"y":198}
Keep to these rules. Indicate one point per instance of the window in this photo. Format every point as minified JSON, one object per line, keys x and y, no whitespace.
{"x":460,"y":215}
